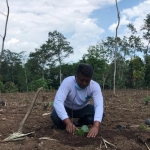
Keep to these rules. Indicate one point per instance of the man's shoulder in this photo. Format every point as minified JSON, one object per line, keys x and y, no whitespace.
{"x":69,"y":79}
{"x":94,"y":82}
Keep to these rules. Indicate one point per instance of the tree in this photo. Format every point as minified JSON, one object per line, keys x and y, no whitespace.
{"x":147,"y":70}
{"x":125,"y":48}
{"x":61,"y":47}
{"x":116,"y":43}
{"x":134,"y":40}
{"x":96,"y":56}
{"x":10,"y":62}
{"x":12,"y":69}
{"x":125,"y":52}
{"x":69,"y":69}
{"x":136,"y":72}
{"x":5,"y":31}
{"x":146,"y":34}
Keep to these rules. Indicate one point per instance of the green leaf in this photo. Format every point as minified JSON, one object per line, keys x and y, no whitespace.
{"x":147,"y":99}
{"x":80,"y":132}
{"x":85,"y":128}
{"x":51,"y":104}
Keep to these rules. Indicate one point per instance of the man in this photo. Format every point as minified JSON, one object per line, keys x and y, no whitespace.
{"x":72,"y":101}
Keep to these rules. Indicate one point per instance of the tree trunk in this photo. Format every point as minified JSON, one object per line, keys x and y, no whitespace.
{"x":114,"y":88}
{"x":3,"y":37}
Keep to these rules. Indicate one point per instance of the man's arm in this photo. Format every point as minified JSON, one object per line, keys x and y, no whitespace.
{"x":98,"y":105}
{"x":60,"y":97}
{"x":96,"y":124}
{"x":70,"y":127}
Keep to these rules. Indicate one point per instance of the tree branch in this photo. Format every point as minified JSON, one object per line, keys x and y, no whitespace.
{"x":29,"y":111}
{"x":118,"y":13}
{"x":3,"y":38}
{"x":3,"y":13}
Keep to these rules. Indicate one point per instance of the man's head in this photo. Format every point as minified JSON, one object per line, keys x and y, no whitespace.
{"x":84,"y":75}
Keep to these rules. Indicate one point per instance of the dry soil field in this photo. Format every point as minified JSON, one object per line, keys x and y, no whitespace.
{"x":123,"y":125}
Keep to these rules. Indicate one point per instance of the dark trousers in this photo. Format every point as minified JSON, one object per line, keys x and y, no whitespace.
{"x":85,"y":115}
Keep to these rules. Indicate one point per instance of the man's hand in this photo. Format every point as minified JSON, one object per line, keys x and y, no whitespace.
{"x":70,"y":127}
{"x":94,"y":130}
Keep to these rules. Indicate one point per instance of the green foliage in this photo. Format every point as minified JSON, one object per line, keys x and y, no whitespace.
{"x":147,"y":70}
{"x":147,"y":98}
{"x":45,"y":66}
{"x":128,"y":99}
{"x":10,"y":87}
{"x":136,"y":72}
{"x":38,"y":83}
{"x":2,"y":86}
{"x":96,"y":57}
{"x":51,"y":104}
{"x":80,"y":132}
{"x":84,"y":129}
{"x":146,"y":32}
{"x":144,"y":127}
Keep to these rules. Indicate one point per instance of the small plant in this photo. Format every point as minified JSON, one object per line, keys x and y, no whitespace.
{"x":51,"y":104}
{"x":84,"y":129}
{"x":46,"y":105}
{"x":128,"y":99}
{"x":147,"y":100}
{"x":142,"y":127}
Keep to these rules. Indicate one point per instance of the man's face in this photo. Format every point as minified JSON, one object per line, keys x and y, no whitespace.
{"x":82,"y":80}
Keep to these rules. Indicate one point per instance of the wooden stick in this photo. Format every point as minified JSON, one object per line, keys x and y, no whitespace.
{"x":100,"y":147}
{"x":147,"y":146}
{"x":29,"y":111}
{"x":104,"y":143}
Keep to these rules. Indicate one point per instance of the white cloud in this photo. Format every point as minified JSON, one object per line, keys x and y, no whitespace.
{"x":12,"y":41}
{"x":30,"y":22}
{"x":123,"y":21}
{"x":134,"y":15}
{"x":138,"y":11}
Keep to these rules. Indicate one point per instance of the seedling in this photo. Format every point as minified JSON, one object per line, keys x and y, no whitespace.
{"x":147,"y":100}
{"x":51,"y":104}
{"x":46,"y":105}
{"x":84,"y":129}
{"x":128,"y":99}
{"x":143,"y":127}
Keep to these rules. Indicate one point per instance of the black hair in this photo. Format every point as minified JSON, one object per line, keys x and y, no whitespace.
{"x":85,"y":69}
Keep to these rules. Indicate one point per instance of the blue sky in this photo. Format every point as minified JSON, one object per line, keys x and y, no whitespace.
{"x":108,"y":15}
{"x":82,"y":22}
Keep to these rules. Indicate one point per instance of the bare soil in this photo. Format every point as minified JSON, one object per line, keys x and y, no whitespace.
{"x":123,"y":124}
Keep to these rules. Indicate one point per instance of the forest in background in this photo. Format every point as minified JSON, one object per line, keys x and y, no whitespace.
{"x":46,"y":68}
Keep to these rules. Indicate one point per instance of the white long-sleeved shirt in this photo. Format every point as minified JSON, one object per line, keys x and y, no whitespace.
{"x":71,"y":97}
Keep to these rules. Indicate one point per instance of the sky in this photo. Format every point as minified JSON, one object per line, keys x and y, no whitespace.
{"x":82,"y":22}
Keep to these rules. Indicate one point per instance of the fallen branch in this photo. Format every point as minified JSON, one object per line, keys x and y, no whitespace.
{"x":100,"y":147}
{"x":18,"y":135}
{"x":29,"y":111}
{"x":147,"y":146}
{"x":105,"y":143}
{"x":45,"y":114}
{"x":47,"y":138}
